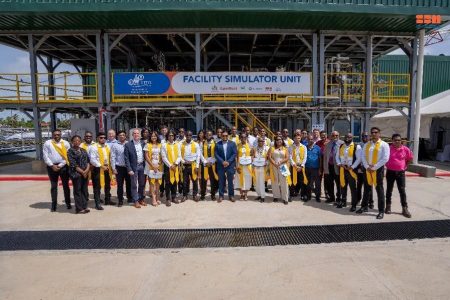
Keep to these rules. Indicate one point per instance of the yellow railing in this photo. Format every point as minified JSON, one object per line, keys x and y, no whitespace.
{"x":15,"y":88}
{"x":152,"y":98}
{"x":345,"y":85}
{"x":66,"y":88}
{"x":388,"y":87}
{"x":256,"y":122}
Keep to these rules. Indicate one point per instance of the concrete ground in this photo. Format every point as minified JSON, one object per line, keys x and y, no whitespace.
{"x":416,"y":269}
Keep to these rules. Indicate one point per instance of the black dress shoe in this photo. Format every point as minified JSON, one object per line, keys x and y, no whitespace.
{"x":318,"y":200}
{"x":258,"y":198}
{"x":69,"y":206}
{"x":290,"y":199}
{"x":267,"y":190}
{"x":388,"y":210}
{"x":109,"y":202}
{"x":307,"y":199}
{"x":261,"y":200}
{"x":286,"y":202}
{"x":120,"y":204}
{"x":362,"y":210}
{"x":371,"y":206}
{"x":344,"y":203}
{"x":329,"y":201}
{"x":98,"y":207}
{"x":275,"y":199}
{"x":380,"y":216}
{"x":168,"y":203}
{"x":353,"y":209}
{"x":339,"y":205}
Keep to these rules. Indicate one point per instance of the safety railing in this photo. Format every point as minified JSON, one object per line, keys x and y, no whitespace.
{"x":153,"y":98}
{"x":67,"y":87}
{"x":390,"y":88}
{"x":51,"y":88}
{"x":345,"y":85}
{"x":15,"y":88}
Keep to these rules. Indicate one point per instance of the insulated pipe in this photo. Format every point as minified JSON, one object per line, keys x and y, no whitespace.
{"x":418,"y":96}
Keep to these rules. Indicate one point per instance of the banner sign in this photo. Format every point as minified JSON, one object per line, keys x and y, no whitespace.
{"x":141,"y":83}
{"x":212,"y":83}
{"x":241,"y":83}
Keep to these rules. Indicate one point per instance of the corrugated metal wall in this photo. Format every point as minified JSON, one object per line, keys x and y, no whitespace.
{"x":436,"y":71}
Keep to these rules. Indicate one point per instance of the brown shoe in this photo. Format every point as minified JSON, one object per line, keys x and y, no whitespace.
{"x":406,"y":213}
{"x":137,"y":205}
{"x":232,"y":199}
{"x":142,"y":202}
{"x":388,"y":210}
{"x":220,"y":199}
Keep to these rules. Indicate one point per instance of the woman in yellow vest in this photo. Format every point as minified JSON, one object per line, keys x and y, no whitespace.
{"x":279,"y":171}
{"x":171,"y":157}
{"x":260,"y":159}
{"x":154,"y":166}
{"x":243,"y":180}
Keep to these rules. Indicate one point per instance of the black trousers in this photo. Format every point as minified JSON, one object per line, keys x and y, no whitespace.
{"x":331,"y":180}
{"x":162,"y":188}
{"x":379,"y":188}
{"x":97,"y":188}
{"x":121,"y":177}
{"x":80,"y":192}
{"x":349,"y":182}
{"x":187,"y":179}
{"x":399,"y":178}
{"x":170,"y":188}
{"x":213,"y":182}
{"x":359,"y":188}
{"x":299,"y":188}
{"x":53,"y":176}
{"x":313,"y":183}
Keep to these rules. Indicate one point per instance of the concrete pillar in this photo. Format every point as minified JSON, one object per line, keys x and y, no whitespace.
{"x":418,"y":95}
{"x":413,"y":87}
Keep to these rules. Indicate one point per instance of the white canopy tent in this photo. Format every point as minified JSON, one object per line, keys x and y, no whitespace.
{"x":393,"y":121}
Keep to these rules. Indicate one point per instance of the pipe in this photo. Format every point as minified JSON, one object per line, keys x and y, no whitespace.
{"x":418,"y":95}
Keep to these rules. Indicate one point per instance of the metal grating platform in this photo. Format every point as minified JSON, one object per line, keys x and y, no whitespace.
{"x":227,"y":237}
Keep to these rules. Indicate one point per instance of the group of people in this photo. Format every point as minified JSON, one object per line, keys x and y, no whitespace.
{"x":171,"y":162}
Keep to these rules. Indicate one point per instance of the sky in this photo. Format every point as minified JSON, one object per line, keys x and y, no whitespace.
{"x":17,"y":61}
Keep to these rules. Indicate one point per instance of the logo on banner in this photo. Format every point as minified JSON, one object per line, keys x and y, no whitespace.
{"x":141,"y":83}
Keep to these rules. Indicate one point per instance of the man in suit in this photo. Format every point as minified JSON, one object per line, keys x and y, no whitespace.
{"x":330,"y":168}
{"x":134,"y":161}
{"x":226,"y":152}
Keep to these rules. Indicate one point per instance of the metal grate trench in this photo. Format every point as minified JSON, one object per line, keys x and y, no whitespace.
{"x":223,"y":237}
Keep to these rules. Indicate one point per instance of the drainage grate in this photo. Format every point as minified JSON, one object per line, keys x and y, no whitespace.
{"x":226,"y":237}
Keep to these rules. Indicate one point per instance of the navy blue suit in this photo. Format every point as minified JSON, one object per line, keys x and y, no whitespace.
{"x":138,"y":179}
{"x":226,"y":174}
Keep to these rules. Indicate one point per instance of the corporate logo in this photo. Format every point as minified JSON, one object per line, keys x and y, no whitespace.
{"x":138,"y":81}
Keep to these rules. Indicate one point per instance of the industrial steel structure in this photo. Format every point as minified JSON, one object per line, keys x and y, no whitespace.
{"x":335,"y":40}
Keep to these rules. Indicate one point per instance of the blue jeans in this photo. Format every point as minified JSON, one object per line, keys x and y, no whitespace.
{"x":226,"y":175}
{"x":138,"y":184}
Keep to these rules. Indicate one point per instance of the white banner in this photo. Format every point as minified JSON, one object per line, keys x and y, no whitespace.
{"x":241,"y":83}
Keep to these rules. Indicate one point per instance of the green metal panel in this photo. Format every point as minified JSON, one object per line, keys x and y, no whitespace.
{"x":372,"y":15}
{"x":436,"y":71}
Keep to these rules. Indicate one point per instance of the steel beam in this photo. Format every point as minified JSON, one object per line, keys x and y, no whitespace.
{"x":368,"y":79}
{"x":321,"y":65}
{"x":106,"y":53}
{"x":413,"y":87}
{"x":98,"y":51}
{"x":420,"y":60}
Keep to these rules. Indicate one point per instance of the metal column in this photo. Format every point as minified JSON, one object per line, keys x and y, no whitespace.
{"x":98,"y":52}
{"x":51,"y":90}
{"x":413,"y":84}
{"x":107,"y":53}
{"x":368,"y":81}
{"x":34,"y":95}
{"x":198,"y":112}
{"x":321,"y":117}
{"x":418,"y":95}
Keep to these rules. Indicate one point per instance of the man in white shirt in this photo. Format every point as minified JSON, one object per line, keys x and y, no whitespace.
{"x":100,"y":159}
{"x":375,"y":155}
{"x":348,"y":169}
{"x":190,"y":161}
{"x":55,"y":157}
{"x":297,"y":163}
